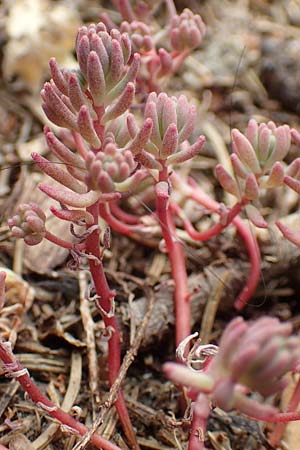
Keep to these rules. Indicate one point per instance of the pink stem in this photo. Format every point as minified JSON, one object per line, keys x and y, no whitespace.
{"x":62,"y":243}
{"x":195,"y":193}
{"x":255,"y":263}
{"x":214,"y":230}
{"x":122,"y":215}
{"x":105,"y":298}
{"x":200,"y":412}
{"x":281,"y":417}
{"x":279,"y":429}
{"x":14,"y":368}
{"x":113,"y":222}
{"x":178,"y":267}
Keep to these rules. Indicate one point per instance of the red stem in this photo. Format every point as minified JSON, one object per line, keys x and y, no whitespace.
{"x":200,"y":411}
{"x":195,"y":193}
{"x":122,"y":215}
{"x":178,"y":267}
{"x":105,"y":298}
{"x":279,"y":429}
{"x":62,"y":243}
{"x":113,"y":222}
{"x":214,"y":230}
{"x":281,"y":417}
{"x":255,"y":263}
{"x":14,"y":368}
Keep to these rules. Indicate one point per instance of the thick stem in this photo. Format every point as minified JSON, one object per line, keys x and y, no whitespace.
{"x":200,"y":411}
{"x":177,"y":261}
{"x":14,"y":369}
{"x":105,"y":299}
{"x":279,"y":429}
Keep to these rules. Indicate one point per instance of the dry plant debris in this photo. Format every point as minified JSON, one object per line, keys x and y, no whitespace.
{"x":245,"y":68}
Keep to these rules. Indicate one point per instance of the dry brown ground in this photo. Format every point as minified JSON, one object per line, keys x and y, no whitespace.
{"x":247,"y":67}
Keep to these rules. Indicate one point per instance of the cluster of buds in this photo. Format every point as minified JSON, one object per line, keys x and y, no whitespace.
{"x":257,"y":162}
{"x":169,"y":121}
{"x":136,"y":9}
{"x":28,"y":223}
{"x":186,"y":31}
{"x":103,"y":89}
{"x":182,"y":35}
{"x":140,"y":35}
{"x":112,"y":169}
{"x":251,"y":357}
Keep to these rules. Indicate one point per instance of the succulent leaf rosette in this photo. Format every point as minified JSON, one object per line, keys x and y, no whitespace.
{"x":168,"y":122}
{"x":257,"y":162}
{"x":252,"y":357}
{"x":28,"y":223}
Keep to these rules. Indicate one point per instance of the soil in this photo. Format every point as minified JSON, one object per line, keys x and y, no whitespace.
{"x":248,"y":66}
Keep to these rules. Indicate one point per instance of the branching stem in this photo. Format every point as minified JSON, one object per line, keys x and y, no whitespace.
{"x":15,"y":369}
{"x":105,"y":298}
